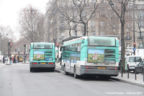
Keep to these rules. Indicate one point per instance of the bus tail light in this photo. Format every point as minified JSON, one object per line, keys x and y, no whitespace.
{"x":116,"y":68}
{"x":86,"y":67}
{"x":34,"y":63}
{"x":50,"y":63}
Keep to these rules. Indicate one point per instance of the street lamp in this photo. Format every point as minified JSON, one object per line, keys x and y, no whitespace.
{"x":134,"y":41}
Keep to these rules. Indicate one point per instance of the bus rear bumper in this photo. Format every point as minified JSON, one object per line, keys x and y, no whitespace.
{"x":42,"y":65}
{"x":96,"y":71}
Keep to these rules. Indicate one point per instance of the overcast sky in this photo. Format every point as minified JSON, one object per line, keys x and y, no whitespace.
{"x":10,"y":10}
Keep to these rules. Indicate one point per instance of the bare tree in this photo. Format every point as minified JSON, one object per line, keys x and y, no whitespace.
{"x":79,"y":11}
{"x":107,"y":20}
{"x":52,"y":21}
{"x":40,"y":33}
{"x":85,"y":10}
{"x":29,"y":19}
{"x":119,"y":9}
{"x":5,"y":36}
{"x":65,"y":12}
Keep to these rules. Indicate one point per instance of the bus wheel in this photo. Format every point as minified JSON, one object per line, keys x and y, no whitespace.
{"x":66,"y":73}
{"x":105,"y":77}
{"x":53,"y":69}
{"x":31,"y":70}
{"x":75,"y":75}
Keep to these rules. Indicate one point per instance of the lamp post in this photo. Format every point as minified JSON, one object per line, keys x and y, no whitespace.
{"x":134,"y":41}
{"x":9,"y":51}
{"x":24,"y":53}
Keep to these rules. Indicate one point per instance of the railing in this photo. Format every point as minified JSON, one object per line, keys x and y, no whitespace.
{"x":135,"y":74}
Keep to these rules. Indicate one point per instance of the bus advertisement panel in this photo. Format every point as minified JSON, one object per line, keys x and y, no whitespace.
{"x":39,"y":55}
{"x":95,"y":56}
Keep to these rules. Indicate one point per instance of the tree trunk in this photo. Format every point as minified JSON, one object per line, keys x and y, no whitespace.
{"x":75,"y":29}
{"x":70,"y":33}
{"x":85,"y":29}
{"x":122,"y":46}
{"x":69,"y":29}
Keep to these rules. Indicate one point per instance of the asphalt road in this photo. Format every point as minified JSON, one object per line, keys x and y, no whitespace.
{"x":16,"y":80}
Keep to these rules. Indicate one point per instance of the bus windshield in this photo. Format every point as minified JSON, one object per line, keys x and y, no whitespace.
{"x":42,"y":46}
{"x":99,"y":41}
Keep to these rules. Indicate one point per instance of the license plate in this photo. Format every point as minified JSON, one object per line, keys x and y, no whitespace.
{"x":43,"y":63}
{"x":103,"y":68}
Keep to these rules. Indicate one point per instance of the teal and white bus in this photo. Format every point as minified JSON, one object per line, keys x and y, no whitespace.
{"x":90,"y":55}
{"x":42,"y":55}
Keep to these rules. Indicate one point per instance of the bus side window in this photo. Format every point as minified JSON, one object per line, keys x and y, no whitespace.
{"x":78,"y":47}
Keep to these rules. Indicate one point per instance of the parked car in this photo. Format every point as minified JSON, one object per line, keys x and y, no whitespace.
{"x":132,"y":62}
{"x":140,"y":67}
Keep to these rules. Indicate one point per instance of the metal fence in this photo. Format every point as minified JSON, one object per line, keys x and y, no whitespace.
{"x":128,"y":72}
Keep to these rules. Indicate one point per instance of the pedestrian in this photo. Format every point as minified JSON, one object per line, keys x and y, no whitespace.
{"x":3,"y":59}
{"x":14,"y":59}
{"x":6,"y":60}
{"x":10,"y":59}
{"x":18,"y":59}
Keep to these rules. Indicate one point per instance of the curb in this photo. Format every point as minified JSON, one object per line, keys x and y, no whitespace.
{"x":118,"y":79}
{"x":57,"y":70}
{"x":129,"y":82}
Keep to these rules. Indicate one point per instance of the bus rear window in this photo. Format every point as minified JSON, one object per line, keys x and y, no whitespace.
{"x":102,"y":41}
{"x":42,"y":46}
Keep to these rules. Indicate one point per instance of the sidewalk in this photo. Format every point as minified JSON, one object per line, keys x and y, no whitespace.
{"x":138,"y":81}
{"x":131,"y":80}
{"x":58,"y":67}
{"x":1,"y":64}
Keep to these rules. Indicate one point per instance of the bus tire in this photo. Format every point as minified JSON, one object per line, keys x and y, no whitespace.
{"x":75,"y":75}
{"x":31,"y":69}
{"x":107,"y":77}
{"x":52,"y":69}
{"x":65,"y":72}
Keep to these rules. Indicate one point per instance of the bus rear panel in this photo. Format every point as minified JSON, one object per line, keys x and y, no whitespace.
{"x":42,"y":55}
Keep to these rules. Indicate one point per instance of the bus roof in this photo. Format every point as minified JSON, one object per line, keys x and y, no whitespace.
{"x":82,"y":37}
{"x":71,"y":38}
{"x":75,"y":39}
{"x":41,"y":43}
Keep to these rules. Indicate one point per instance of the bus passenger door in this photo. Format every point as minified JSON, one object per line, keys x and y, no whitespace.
{"x":68,"y":65}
